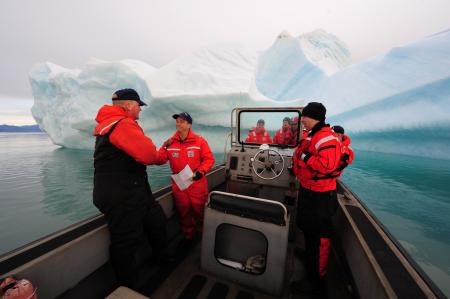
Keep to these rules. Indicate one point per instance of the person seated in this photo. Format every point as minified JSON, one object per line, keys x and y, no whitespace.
{"x":294,"y":130}
{"x":259,"y":134}
{"x":284,"y":135}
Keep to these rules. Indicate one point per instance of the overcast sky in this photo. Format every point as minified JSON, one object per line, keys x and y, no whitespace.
{"x":68,"y":33}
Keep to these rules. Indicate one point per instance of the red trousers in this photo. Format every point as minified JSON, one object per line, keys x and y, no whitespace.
{"x":190,"y":205}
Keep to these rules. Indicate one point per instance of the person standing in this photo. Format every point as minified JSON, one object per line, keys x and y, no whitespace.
{"x":121,"y":188}
{"x":346,"y":150}
{"x":316,"y":156}
{"x":187,"y":148}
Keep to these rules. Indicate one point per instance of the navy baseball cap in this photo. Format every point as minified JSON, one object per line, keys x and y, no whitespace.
{"x":183,"y":115}
{"x":127,"y":94}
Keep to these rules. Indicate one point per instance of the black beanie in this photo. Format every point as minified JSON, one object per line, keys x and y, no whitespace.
{"x":338,"y":129}
{"x":315,"y":110}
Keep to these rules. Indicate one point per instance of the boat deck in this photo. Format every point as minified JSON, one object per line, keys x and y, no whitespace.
{"x":188,"y":281}
{"x":183,"y":279}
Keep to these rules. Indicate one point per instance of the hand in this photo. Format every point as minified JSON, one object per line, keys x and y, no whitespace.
{"x":291,"y":170}
{"x":167,"y":143}
{"x":305,"y":156}
{"x":197,"y":175}
{"x":345,"y":157}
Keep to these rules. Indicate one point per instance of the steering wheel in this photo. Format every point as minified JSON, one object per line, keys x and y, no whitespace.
{"x":267,"y":166}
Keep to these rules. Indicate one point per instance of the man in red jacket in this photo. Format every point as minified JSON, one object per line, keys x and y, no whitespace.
{"x":259,"y":134}
{"x":316,"y":156}
{"x":284,"y":136}
{"x":121,"y":189}
{"x":294,"y":130}
{"x":187,"y":148}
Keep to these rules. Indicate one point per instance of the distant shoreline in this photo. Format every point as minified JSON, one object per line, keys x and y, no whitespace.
{"x":20,"y":129}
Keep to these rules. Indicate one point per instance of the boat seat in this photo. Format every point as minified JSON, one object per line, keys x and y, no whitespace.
{"x":125,"y":293}
{"x":263,"y":211}
{"x":245,"y":240}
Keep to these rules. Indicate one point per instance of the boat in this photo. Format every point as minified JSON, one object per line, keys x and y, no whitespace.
{"x":248,"y":241}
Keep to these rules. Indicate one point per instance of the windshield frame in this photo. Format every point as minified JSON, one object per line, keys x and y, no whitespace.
{"x":265,"y":110}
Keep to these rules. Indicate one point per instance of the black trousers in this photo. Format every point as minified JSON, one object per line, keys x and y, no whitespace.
{"x":314,"y":212}
{"x":131,"y":213}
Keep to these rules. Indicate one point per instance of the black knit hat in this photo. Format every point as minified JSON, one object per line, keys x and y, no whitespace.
{"x":338,"y":129}
{"x":127,"y":94}
{"x":315,"y":110}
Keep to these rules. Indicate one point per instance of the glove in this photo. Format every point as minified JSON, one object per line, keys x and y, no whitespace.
{"x":167,"y":143}
{"x":198,"y":175}
{"x":345,"y":157}
{"x":305,"y":156}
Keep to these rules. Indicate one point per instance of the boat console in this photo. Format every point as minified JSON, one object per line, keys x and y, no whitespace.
{"x":261,"y":169}
{"x":246,"y":226}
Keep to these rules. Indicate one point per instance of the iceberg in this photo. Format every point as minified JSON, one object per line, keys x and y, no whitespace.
{"x":66,"y":101}
{"x":207,"y":83}
{"x":303,"y":62}
{"x":291,"y":74}
{"x":403,"y":90}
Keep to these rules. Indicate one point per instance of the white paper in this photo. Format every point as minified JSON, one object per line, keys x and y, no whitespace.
{"x":232,"y":264}
{"x":183,"y":179}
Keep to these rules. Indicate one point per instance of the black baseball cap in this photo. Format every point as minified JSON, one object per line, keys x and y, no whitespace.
{"x":183,"y":115}
{"x":127,"y":94}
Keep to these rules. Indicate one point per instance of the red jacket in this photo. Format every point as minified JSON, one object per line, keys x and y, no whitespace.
{"x":262,"y":137}
{"x":194,"y":150}
{"x":316,"y":158}
{"x":347,"y":155}
{"x":346,"y":149}
{"x":283,"y":136}
{"x":127,"y":136}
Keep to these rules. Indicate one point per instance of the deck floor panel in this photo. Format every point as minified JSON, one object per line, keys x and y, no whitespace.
{"x":176,"y":283}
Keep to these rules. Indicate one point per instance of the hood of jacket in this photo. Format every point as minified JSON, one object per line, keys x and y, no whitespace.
{"x":346,"y":140}
{"x":106,"y":117}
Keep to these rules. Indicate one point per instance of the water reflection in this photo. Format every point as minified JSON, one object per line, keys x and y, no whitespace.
{"x":67,"y":178}
{"x":415,"y":189}
{"x":410,"y":196}
{"x":68,"y":182}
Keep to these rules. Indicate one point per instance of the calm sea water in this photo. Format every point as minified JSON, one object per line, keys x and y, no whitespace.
{"x":44,"y":188}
